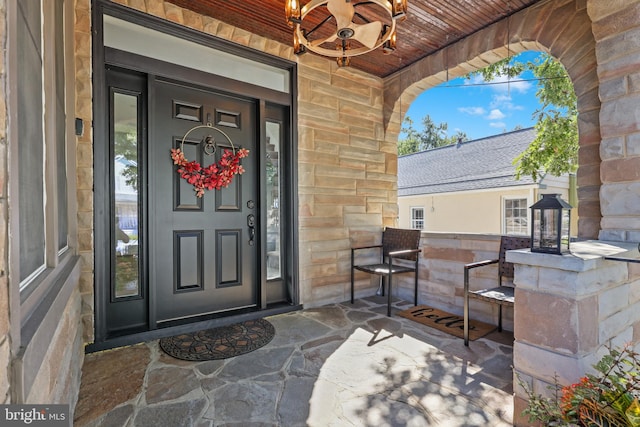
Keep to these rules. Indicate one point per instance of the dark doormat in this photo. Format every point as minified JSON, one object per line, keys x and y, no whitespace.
{"x":219,"y":343}
{"x":446,"y":322}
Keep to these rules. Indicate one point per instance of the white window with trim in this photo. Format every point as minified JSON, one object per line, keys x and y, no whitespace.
{"x":39,"y":130}
{"x":516,"y":216}
{"x":417,"y":218}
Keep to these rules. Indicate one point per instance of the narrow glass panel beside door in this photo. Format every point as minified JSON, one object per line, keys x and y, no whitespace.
{"x":126,"y":195}
{"x":274,"y":264}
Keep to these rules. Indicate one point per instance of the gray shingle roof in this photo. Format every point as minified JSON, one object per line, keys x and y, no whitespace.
{"x":472,"y":165}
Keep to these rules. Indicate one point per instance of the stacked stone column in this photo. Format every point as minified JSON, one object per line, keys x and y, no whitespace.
{"x":568,"y":309}
{"x":617,"y":33}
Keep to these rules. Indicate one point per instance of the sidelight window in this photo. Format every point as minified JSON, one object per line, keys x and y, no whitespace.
{"x":274,"y":263}
{"x":125,"y":230}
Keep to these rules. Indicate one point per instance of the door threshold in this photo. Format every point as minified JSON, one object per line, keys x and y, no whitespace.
{"x":155,"y":334}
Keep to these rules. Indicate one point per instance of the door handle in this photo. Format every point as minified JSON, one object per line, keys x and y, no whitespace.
{"x":251,"y":223}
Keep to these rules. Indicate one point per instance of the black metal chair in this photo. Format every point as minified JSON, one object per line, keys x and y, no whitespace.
{"x":501,"y":295}
{"x":397,"y":244}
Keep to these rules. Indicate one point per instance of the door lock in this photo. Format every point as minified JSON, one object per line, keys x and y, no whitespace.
{"x":251,"y":223}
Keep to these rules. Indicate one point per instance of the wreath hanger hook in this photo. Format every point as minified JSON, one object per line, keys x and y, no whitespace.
{"x":209,"y":141}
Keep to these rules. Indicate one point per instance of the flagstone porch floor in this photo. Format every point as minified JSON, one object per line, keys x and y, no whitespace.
{"x":338,"y":365}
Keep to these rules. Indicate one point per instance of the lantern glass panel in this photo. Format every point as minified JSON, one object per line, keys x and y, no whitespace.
{"x":564,"y":238}
{"x":551,"y":221}
{"x":545,"y":229}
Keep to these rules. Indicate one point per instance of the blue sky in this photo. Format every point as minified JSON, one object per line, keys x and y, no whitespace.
{"x":479,"y":109}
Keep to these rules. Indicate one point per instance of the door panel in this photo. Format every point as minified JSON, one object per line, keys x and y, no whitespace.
{"x":202,"y":257}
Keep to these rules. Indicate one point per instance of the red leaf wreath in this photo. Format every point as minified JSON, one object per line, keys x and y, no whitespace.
{"x":217,"y":175}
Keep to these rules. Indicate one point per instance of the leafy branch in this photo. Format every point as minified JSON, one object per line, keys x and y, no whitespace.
{"x":555,"y":148}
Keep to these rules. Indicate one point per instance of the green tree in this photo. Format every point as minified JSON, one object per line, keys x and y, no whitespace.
{"x":126,"y":145}
{"x":555,"y":148}
{"x":410,"y":144}
{"x":433,"y":135}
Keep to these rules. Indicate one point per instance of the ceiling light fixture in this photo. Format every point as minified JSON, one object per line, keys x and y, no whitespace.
{"x":360,"y":27}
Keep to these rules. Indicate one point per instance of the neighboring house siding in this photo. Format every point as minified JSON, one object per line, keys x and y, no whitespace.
{"x":464,"y":212}
{"x":463,"y":187}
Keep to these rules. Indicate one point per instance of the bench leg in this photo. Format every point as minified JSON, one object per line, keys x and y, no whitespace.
{"x":380,"y":291}
{"x":389,"y":295}
{"x":415,"y":287}
{"x":466,"y":307}
{"x":499,"y":317}
{"x":352,"y":277}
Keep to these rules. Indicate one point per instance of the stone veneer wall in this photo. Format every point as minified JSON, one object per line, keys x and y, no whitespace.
{"x":616,"y":29}
{"x":58,"y":380}
{"x":84,"y":160}
{"x":441,"y":274}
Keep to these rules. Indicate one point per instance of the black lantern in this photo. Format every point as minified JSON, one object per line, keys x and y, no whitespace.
{"x":551,"y":220}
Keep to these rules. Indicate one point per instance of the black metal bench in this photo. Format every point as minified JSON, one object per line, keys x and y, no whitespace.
{"x":397,"y":244}
{"x":500,"y":295}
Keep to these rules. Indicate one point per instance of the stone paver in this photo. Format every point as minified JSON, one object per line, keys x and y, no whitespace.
{"x":339,"y":365}
{"x":110,"y":379}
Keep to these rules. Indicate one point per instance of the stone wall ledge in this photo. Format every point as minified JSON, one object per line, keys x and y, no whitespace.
{"x":585,"y":255}
{"x":460,"y":236}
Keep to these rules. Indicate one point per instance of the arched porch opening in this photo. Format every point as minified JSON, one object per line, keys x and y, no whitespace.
{"x":539,"y":28}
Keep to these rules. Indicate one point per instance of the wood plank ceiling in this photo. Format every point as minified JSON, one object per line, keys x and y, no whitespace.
{"x":430,"y":25}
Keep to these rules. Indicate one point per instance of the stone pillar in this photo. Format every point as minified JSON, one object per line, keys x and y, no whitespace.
{"x":616,"y":30}
{"x":568,"y":308}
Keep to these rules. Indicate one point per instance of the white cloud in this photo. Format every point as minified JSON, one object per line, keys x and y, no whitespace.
{"x":474,"y":80}
{"x":499,"y":125}
{"x":504,"y":101}
{"x":496,"y":115}
{"x":473,"y":111}
{"x":502,"y":83}
{"x":513,"y":84}
{"x":500,"y":99}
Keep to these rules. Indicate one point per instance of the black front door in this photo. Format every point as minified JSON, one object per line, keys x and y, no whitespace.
{"x":164,"y":256}
{"x":203,"y":255}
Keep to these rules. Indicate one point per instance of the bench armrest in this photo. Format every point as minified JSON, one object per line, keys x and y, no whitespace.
{"x":396,"y":254}
{"x":468,"y":267}
{"x":366,"y":247}
{"x":480,"y":263}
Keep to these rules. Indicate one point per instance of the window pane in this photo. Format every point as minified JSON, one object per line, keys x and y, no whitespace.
{"x":417,"y":218}
{"x":515,"y":214}
{"x":143,"y":41}
{"x":125,"y":184}
{"x":61,"y":153}
{"x":274,"y":264}
{"x":30,"y":140}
